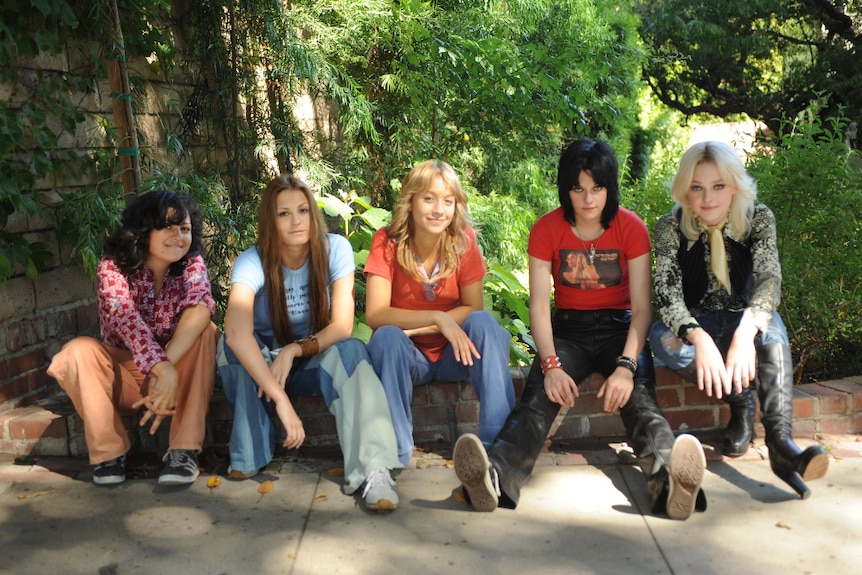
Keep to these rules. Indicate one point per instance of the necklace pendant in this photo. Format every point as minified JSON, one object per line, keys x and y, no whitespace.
{"x":592,"y":256}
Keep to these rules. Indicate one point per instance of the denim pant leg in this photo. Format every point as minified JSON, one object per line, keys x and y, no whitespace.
{"x":775,"y":332}
{"x":489,"y":375}
{"x":400,"y":366}
{"x":672,"y":352}
{"x":252,"y":437}
{"x":669,"y":351}
{"x":354,"y":395}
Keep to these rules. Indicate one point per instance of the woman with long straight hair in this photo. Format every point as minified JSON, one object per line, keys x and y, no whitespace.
{"x":287,"y":332}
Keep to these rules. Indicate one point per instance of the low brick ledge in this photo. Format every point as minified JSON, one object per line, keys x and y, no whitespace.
{"x":443,"y":411}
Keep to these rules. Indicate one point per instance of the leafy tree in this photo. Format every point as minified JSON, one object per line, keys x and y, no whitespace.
{"x":813,"y":184}
{"x":767,"y":58}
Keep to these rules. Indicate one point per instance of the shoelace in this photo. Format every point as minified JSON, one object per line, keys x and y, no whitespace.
{"x":377,"y":477}
{"x":178,"y":458}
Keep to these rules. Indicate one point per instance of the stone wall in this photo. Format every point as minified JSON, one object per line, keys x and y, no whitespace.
{"x":38,"y":315}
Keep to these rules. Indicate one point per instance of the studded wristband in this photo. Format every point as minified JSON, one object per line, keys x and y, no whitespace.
{"x":628,"y":363}
{"x":551,"y":362}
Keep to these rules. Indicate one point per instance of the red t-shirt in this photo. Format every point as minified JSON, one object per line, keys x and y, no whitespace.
{"x":407,"y":293}
{"x":577,"y":284}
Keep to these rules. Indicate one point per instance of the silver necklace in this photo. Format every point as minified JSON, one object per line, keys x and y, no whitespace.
{"x":593,"y":243}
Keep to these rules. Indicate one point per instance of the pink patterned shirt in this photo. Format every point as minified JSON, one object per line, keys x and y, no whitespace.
{"x":133,"y":318}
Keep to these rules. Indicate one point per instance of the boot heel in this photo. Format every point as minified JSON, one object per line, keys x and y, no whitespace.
{"x":794,"y":480}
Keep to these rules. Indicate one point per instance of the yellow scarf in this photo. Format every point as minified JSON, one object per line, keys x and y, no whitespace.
{"x":718,"y":253}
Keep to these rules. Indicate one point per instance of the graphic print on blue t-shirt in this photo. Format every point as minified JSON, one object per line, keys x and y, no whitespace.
{"x":576,"y":270}
{"x":297,"y":301}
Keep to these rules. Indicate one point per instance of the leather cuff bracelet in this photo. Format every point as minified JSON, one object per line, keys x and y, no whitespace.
{"x":309,"y":345}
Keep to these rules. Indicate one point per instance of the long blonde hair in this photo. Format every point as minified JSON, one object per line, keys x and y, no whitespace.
{"x":732,"y":171}
{"x":455,"y":240}
{"x":269,"y":245}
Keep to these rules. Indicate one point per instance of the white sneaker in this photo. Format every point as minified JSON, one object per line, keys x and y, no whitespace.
{"x":474,"y":471}
{"x":379,"y":491}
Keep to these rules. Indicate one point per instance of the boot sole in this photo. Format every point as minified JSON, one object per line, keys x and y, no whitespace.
{"x":686,"y":469}
{"x":817,"y":467}
{"x":473,"y":470}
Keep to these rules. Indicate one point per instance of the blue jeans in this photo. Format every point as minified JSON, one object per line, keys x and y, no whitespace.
{"x":673,"y":353}
{"x":343,"y":375}
{"x":401,"y":366}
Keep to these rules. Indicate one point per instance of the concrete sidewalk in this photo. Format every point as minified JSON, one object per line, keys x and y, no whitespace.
{"x":583,"y":512}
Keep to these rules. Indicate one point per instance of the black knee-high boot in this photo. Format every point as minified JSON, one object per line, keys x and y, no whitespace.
{"x":651,"y":437}
{"x":775,"y":387}
{"x":740,"y":428}
{"x":516,"y":448}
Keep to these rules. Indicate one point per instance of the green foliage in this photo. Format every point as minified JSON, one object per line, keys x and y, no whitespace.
{"x":508,"y":300}
{"x":39,"y":110}
{"x":813,"y":184}
{"x":356,"y":219}
{"x":738,"y":56}
{"x":86,"y":217}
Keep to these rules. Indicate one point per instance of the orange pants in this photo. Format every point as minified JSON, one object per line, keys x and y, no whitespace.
{"x":103,"y":384}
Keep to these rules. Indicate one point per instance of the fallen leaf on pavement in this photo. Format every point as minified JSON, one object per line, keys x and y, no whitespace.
{"x":213,"y":482}
{"x":37,"y":493}
{"x":783,"y":525}
{"x":320,"y":497}
{"x":336,"y":471}
{"x":265,"y":488}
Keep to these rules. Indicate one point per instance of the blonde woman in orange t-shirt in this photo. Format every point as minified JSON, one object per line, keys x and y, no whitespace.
{"x":424,"y":299}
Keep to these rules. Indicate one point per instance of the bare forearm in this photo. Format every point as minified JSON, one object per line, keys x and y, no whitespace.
{"x":193,"y":321}
{"x":250,"y":357}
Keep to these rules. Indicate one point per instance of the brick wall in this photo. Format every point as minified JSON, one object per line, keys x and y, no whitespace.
{"x":36,"y":318}
{"x":443,"y":411}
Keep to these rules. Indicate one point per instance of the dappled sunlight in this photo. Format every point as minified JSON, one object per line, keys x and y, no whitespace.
{"x":168,"y":522}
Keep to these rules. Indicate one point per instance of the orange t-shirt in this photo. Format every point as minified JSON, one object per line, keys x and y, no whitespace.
{"x":407,"y":293}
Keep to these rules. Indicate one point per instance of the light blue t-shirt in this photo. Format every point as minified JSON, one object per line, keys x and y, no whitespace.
{"x":248,"y":270}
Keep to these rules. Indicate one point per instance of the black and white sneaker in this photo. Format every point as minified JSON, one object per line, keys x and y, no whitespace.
{"x":181,"y":467}
{"x":110,"y":472}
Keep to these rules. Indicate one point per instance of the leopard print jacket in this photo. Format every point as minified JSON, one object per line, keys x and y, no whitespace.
{"x":753,"y":262}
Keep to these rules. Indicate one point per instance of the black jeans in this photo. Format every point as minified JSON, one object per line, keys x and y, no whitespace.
{"x":586,"y":342}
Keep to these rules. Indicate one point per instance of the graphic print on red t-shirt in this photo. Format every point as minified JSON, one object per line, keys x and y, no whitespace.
{"x":576,"y":270}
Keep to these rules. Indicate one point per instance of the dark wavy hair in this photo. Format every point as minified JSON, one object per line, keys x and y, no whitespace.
{"x":597,"y":158}
{"x":129,"y":245}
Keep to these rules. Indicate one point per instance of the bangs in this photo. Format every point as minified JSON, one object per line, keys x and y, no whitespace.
{"x":174,"y":213}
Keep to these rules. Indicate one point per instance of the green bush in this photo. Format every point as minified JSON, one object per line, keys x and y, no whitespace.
{"x":813,"y":184}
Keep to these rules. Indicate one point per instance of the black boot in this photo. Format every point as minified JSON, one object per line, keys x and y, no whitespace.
{"x":516,"y":448}
{"x":651,"y":438}
{"x":775,"y":386}
{"x":740,"y":428}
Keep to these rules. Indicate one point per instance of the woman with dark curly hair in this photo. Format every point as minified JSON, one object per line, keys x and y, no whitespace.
{"x":158,"y":340}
